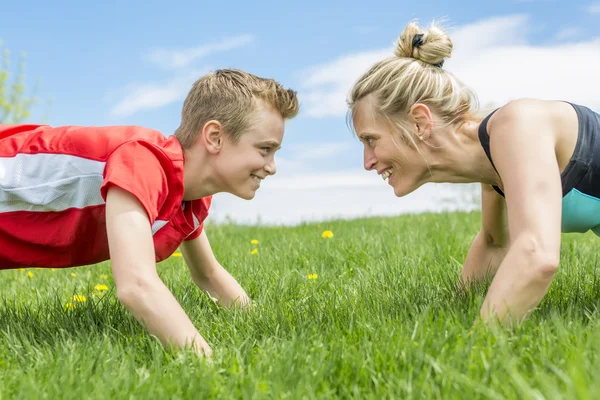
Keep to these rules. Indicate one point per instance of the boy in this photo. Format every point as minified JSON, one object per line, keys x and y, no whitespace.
{"x":72,"y":196}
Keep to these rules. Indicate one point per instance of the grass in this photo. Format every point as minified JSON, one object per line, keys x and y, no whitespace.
{"x":381,"y":320}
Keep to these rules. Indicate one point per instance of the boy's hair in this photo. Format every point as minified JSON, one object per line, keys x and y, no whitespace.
{"x":230,"y":97}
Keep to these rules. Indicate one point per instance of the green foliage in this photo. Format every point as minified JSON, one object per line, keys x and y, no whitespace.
{"x":15,"y":104}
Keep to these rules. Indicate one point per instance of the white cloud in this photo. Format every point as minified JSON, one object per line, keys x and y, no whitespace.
{"x":561,"y":72}
{"x":154,"y":95}
{"x":304,"y":152}
{"x":149,"y":96}
{"x":184,"y":57}
{"x":289,"y":199}
{"x":568,"y":33}
{"x":302,"y":158}
{"x":492,"y":56}
{"x":326,"y":86}
{"x":594,"y":8}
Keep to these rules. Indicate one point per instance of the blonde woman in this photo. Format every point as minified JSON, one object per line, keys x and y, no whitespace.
{"x":538,"y":163}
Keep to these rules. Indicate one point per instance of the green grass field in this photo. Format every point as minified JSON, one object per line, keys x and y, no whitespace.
{"x":382,"y":319}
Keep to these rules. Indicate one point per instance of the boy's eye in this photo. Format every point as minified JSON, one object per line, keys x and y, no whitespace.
{"x":266,"y":149}
{"x":370,"y":141}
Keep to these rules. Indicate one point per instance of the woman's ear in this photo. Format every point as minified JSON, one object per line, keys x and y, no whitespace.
{"x":421,"y":118}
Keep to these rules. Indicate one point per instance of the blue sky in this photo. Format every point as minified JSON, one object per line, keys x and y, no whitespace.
{"x":132,"y":62}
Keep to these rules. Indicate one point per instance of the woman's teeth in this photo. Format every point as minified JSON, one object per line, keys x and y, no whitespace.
{"x":386,"y":174}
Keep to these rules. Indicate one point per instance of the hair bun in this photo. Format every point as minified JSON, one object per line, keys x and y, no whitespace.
{"x":432,"y":46}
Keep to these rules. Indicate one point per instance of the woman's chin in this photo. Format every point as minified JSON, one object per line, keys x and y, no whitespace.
{"x":401,"y":191}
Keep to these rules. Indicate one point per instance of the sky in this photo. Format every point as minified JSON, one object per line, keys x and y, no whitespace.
{"x":133,"y":62}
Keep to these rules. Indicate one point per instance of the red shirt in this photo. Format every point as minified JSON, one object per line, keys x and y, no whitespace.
{"x":53,"y":184}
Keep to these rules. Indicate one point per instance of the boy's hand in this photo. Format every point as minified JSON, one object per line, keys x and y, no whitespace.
{"x":210,"y":276}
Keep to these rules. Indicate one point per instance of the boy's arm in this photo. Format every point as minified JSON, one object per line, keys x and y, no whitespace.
{"x":138,"y":285}
{"x":209,"y":275}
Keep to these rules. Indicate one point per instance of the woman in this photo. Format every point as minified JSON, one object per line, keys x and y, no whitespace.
{"x":536,"y":160}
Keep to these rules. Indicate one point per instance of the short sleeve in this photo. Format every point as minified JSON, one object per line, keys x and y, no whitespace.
{"x":138,"y":168}
{"x":200,"y":210}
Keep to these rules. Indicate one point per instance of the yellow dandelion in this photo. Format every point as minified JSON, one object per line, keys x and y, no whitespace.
{"x":73,"y":274}
{"x":177,"y":254}
{"x":254,"y":241}
{"x":254,"y":252}
{"x":327,"y":234}
{"x":70,"y":306}
{"x":312,"y":276}
{"x":79,"y":298}
{"x":103,"y":276}
{"x":38,"y":268}
{"x":89,"y":272}
{"x":53,"y":269}
{"x":100,"y":287}
{"x":21,"y":269}
{"x":30,"y":274}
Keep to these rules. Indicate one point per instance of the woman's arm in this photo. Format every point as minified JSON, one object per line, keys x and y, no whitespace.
{"x":491,"y":243}
{"x":523,"y":148}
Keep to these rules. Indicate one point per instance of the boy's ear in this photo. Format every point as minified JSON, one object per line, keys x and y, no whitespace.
{"x":212,"y":136}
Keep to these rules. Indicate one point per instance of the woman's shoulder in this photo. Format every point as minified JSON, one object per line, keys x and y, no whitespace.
{"x":527,"y":112}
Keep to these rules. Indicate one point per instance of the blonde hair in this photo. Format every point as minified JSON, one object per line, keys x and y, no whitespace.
{"x":415,"y":75}
{"x":230,"y":97}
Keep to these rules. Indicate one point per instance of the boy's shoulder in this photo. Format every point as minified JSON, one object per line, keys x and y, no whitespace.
{"x":115,"y":135}
{"x":109,"y":136}
{"x":95,"y":142}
